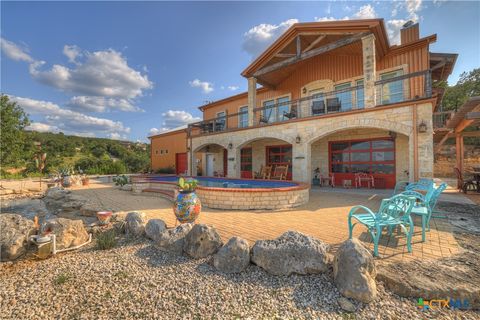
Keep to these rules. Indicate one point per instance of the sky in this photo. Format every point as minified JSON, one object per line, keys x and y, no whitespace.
{"x":126,"y":70}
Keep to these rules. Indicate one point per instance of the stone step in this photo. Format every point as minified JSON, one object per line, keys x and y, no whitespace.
{"x":167,"y":194}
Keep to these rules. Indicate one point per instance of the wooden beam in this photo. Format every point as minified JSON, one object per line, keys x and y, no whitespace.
{"x":471,"y":134}
{"x":472,"y":115}
{"x":285,"y":55}
{"x":459,"y":152}
{"x":441,"y":142}
{"x":314,"y":42}
{"x":462,"y":125}
{"x":306,"y":55}
{"x":299,"y":46}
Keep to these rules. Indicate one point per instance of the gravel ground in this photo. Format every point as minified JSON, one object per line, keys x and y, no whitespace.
{"x":136,"y":281}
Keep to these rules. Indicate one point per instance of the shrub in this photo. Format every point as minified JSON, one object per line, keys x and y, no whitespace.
{"x":62,"y":278}
{"x":120,"y":180}
{"x":107,"y":240}
{"x":166,"y":170}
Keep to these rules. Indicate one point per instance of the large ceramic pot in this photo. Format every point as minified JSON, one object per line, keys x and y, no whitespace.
{"x":187,"y":206}
{"x":66,"y":181}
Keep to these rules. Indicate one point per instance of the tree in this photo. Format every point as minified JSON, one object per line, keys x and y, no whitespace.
{"x":467,"y":86}
{"x":13,"y":141}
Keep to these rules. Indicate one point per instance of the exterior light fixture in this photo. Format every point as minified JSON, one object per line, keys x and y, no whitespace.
{"x":230,"y":145}
{"x":298,"y":139}
{"x":392,"y":134}
{"x":304,"y":90}
{"x":422,"y":127}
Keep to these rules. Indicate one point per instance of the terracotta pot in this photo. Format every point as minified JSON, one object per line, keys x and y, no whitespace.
{"x":187,"y":206}
{"x":85,"y":181}
{"x":104,"y":217}
{"x":66,"y":181}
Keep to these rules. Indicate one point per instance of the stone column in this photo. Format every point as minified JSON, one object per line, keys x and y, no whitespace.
{"x":233,"y":166}
{"x":369,"y":70}
{"x":252,"y":99}
{"x":301,"y":162}
{"x":425,"y":141}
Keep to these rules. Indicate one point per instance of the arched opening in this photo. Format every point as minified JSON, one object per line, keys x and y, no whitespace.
{"x":381,"y":154}
{"x":272,"y":153}
{"x":210,"y":160}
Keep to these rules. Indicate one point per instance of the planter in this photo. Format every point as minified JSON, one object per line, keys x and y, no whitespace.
{"x":104,"y":217}
{"x":85,"y":181}
{"x":187,"y":206}
{"x":66,"y":181}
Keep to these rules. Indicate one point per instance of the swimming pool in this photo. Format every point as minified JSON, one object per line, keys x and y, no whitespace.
{"x":237,"y":194}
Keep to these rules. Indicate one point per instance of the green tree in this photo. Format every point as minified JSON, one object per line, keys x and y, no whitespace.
{"x":467,"y":86}
{"x":13,"y":141}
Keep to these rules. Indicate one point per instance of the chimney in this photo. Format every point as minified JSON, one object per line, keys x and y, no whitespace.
{"x":410,"y":32}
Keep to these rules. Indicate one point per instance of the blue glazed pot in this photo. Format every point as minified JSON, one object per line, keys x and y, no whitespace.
{"x":187,"y":207}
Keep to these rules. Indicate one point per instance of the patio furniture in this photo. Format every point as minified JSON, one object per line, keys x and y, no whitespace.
{"x":347,"y":183}
{"x":425,"y":205}
{"x":472,"y":184}
{"x":262,"y":120}
{"x":264,"y":173}
{"x":218,"y":174}
{"x":363,"y":177}
{"x":333,"y":105}
{"x":393,"y":212}
{"x":280,"y":173}
{"x":318,"y":108}
{"x":423,"y":185}
{"x":290,"y":115}
{"x":330,"y":179}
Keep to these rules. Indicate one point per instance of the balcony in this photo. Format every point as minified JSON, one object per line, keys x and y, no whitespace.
{"x":405,"y":88}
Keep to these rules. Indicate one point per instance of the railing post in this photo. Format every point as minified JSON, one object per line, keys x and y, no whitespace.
{"x":369,"y":70}
{"x":252,"y":99}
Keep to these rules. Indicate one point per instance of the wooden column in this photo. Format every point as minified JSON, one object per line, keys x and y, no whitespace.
{"x":369,"y":70}
{"x":459,"y":151}
{"x":252,"y":99}
{"x":415,"y":142}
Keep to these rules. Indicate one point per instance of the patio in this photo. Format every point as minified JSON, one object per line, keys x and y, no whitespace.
{"x":324,"y":217}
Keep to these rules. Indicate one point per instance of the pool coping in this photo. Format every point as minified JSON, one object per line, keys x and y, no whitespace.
{"x":299,"y":185}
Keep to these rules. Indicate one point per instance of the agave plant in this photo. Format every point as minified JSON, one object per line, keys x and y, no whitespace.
{"x":187,"y":185}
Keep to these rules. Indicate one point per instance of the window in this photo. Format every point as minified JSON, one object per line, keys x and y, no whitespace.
{"x":367,"y":156}
{"x":391,"y":92}
{"x":360,"y":94}
{"x":161,"y":151}
{"x":280,"y":155}
{"x":345,"y":97}
{"x":166,"y":151}
{"x":156,"y":151}
{"x":243,"y":117}
{"x":273,"y":110}
{"x":221,"y":121}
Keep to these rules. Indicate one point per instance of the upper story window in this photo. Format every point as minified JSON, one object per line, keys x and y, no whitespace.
{"x":391,"y":92}
{"x":344,"y":96}
{"x":269,"y":111}
{"x":283,"y":108}
{"x":243,"y":117}
{"x":275,"y":109}
{"x":221,"y":121}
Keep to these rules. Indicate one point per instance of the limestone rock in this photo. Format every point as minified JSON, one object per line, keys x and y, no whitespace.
{"x":68,"y":233}
{"x":233,"y":257}
{"x":90,"y":209}
{"x":126,"y":187}
{"x":346,"y":304}
{"x":292,"y":252}
{"x":172,"y":240}
{"x":154,"y":227}
{"x":354,"y":271}
{"x":202,"y":241}
{"x":14,"y":233}
{"x":135,"y":223}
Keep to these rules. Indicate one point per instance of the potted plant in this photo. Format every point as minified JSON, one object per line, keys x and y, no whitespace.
{"x":316,"y":177}
{"x":187,"y":205}
{"x":65,"y":173}
{"x":85,"y":179}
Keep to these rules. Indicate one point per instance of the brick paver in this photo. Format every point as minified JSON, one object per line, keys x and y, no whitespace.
{"x":324,"y":217}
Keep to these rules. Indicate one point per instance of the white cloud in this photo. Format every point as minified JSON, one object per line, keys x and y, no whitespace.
{"x":155,"y":131}
{"x":413,"y":6}
{"x":69,"y":121}
{"x":365,"y":12}
{"x":177,"y":118}
{"x":116,"y":136}
{"x":42,"y":127}
{"x":100,"y":104}
{"x":206,"y":87}
{"x":259,"y":37}
{"x":14,"y":52}
{"x":72,"y":52}
{"x":103,"y":73}
{"x":393,"y":30}
{"x":233,"y":88}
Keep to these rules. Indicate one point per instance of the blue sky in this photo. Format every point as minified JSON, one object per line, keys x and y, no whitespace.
{"x":128,"y":69}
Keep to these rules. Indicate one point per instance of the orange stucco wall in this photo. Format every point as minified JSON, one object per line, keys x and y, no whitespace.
{"x":171,"y":144}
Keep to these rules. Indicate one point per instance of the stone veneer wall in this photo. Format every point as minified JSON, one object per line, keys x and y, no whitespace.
{"x":253,"y":200}
{"x":320,"y":149}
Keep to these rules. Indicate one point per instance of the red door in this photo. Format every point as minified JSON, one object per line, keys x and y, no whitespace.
{"x":246,"y":163}
{"x":181,"y":163}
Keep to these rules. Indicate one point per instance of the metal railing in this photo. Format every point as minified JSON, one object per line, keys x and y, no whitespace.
{"x":409,"y":87}
{"x":440,"y":118}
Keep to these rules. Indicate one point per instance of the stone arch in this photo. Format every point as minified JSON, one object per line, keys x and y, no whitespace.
{"x":342,"y":125}
{"x":271,"y":135}
{"x":203,"y":145}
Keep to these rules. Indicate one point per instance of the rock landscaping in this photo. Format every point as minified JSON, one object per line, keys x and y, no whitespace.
{"x":68,"y":233}
{"x":202,"y":241}
{"x":135,"y":224}
{"x":154,"y":228}
{"x":172,"y":240}
{"x":233,"y":257}
{"x":14,"y":233}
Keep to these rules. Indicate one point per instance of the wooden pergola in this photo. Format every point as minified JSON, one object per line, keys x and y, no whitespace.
{"x":468,"y":115}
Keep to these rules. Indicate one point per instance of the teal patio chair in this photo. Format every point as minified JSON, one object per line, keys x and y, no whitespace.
{"x":425,"y":204}
{"x":422,"y":185}
{"x":393,"y":212}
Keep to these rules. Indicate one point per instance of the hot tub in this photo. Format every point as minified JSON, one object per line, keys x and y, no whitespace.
{"x":239,"y":194}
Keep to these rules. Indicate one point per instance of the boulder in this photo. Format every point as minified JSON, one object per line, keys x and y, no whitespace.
{"x":202,"y":241}
{"x":68,"y":233}
{"x":14,"y":234}
{"x":233,"y":257}
{"x":154,"y":227}
{"x":292,"y":252}
{"x":56,"y":193}
{"x":354,"y":271}
{"x":135,"y":223}
{"x":172,"y":240}
{"x":126,"y":187}
{"x":346,"y":304}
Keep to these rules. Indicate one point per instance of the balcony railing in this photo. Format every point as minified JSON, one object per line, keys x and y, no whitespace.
{"x":440,"y":118}
{"x":409,"y":87}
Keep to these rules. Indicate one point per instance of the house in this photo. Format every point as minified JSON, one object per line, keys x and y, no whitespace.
{"x":335,"y":96}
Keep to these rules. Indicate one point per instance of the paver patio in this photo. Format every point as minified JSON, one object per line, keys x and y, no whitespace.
{"x":324,"y":217}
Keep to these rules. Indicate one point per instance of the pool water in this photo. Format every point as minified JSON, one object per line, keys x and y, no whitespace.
{"x":230,"y":183}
